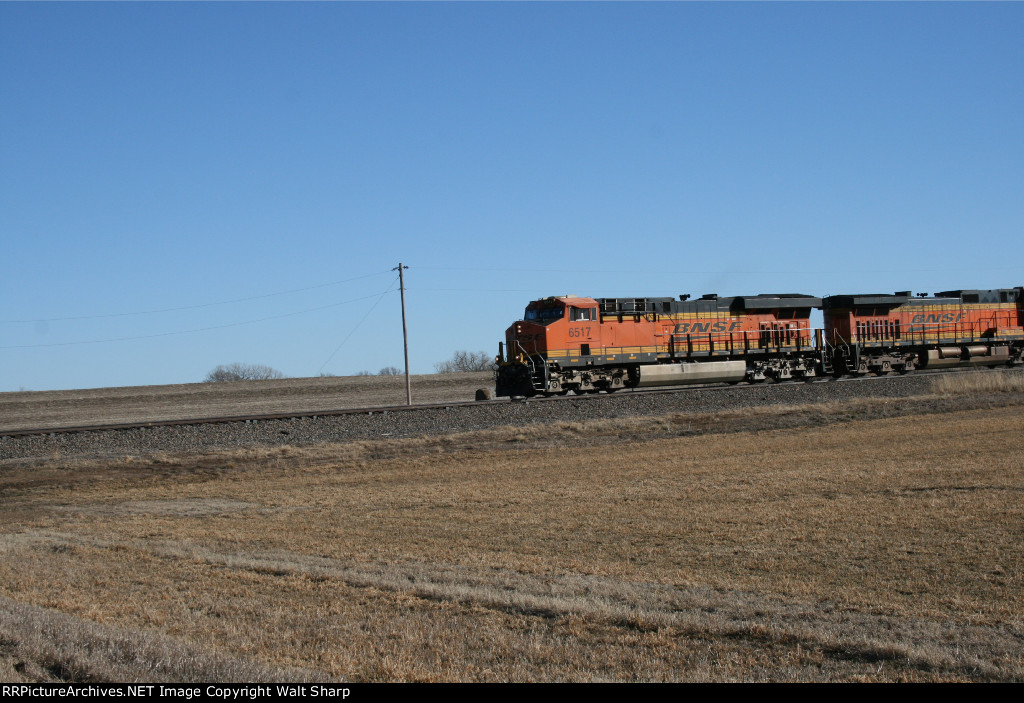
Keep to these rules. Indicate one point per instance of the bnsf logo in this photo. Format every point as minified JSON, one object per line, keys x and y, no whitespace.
{"x":701,"y":327}
{"x":942,"y":317}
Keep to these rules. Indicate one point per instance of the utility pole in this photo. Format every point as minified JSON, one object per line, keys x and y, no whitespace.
{"x":405,"y":335}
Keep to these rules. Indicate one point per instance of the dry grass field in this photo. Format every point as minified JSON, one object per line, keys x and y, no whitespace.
{"x":865,"y":550}
{"x":30,"y":409}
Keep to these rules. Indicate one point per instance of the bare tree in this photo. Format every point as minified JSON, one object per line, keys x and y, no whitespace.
{"x":362,"y":373}
{"x":465,"y":361}
{"x":242,"y":372}
{"x":390,"y":371}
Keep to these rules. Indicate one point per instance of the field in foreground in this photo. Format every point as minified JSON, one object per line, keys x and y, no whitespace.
{"x":865,"y":550}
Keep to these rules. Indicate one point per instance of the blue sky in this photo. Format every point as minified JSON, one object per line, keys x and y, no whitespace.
{"x":232,"y":182}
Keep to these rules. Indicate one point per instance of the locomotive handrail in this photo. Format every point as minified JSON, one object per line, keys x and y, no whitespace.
{"x":685,"y":345}
{"x":526,"y":355}
{"x":930,"y":333}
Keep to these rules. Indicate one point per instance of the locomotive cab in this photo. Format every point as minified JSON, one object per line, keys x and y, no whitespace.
{"x":552,"y":330}
{"x":553,"y":326}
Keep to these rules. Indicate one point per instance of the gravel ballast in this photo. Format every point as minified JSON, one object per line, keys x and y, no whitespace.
{"x":447,"y":420}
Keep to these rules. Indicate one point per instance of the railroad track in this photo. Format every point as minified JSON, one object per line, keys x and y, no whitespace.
{"x":313,"y":414}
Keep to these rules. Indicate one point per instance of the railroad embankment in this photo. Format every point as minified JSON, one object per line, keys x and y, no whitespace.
{"x":625,"y":416}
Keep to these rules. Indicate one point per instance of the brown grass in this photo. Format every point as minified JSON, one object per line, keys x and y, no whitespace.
{"x":97,"y":406}
{"x":867,"y":550}
{"x":981,"y":381}
{"x":38,"y":644}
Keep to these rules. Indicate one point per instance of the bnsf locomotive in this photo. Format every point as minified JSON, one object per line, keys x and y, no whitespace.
{"x":587,"y":345}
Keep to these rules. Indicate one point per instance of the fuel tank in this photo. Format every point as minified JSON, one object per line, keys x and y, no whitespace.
{"x":696,"y":372}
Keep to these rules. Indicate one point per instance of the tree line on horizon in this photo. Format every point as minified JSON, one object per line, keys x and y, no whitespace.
{"x":460,"y":362}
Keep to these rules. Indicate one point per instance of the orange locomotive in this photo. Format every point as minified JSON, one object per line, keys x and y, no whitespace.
{"x":882,"y":333}
{"x":591,"y":344}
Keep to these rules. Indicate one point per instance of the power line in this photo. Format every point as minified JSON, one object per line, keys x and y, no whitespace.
{"x":353,"y":331}
{"x":475,"y":290}
{"x":192,"y":307}
{"x":808,"y":271}
{"x":199,"y":329}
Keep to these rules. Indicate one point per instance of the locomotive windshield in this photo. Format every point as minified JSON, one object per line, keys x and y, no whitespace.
{"x":545,"y":314}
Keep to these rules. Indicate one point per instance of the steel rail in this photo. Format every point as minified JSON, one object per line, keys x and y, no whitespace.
{"x":384,"y":409}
